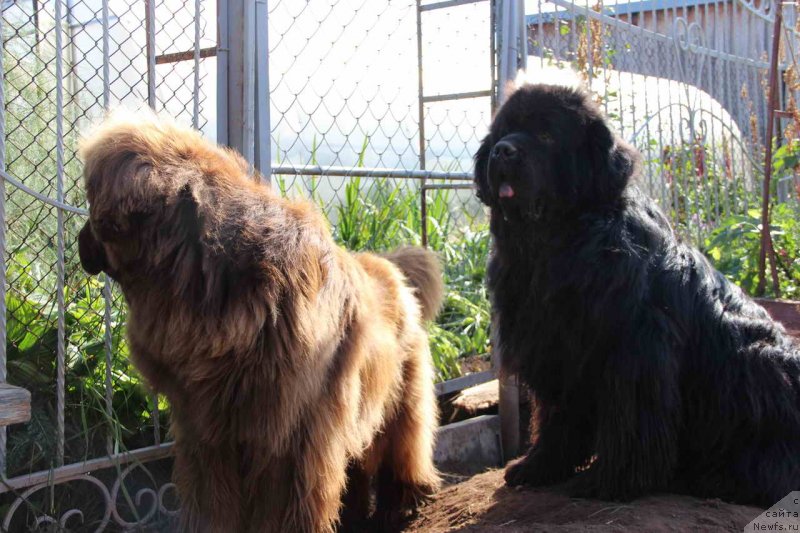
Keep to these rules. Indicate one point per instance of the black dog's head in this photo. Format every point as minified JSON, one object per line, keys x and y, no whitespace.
{"x":549,"y":153}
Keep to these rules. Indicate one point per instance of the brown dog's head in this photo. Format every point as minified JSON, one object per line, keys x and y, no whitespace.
{"x":151,"y":185}
{"x":119,"y":241}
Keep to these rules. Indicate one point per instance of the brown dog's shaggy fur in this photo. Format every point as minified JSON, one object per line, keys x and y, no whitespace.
{"x":290,"y":363}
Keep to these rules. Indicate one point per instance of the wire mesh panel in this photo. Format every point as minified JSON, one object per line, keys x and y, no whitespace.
{"x":63,"y":62}
{"x":377,"y":108}
{"x":681,"y":79}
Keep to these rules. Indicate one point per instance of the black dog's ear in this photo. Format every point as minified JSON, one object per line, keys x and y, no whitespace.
{"x":612,"y":160}
{"x":481,"y":173}
{"x":91,"y":251}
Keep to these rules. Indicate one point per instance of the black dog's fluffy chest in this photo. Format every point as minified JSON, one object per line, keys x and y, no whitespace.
{"x":614,"y":317}
{"x":542,"y":303}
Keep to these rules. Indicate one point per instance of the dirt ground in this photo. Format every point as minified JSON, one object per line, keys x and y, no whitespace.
{"x":484,"y":503}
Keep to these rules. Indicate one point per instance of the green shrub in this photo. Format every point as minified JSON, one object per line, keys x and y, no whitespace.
{"x":735,"y":245}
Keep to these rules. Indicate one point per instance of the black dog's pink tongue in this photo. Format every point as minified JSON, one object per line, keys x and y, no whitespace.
{"x":506,"y":191}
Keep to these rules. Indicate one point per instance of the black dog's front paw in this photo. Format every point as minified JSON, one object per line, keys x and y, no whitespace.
{"x":517,"y":474}
{"x":535,"y":472}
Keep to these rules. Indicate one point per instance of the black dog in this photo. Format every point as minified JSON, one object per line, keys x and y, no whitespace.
{"x":649,"y":370}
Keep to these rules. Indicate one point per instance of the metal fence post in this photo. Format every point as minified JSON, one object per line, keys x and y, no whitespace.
{"x":262,"y":149}
{"x":60,"y":244}
{"x":2,"y":238}
{"x":149,"y":24}
{"x":223,"y":51}
{"x":243,"y":85}
{"x":511,"y":56}
{"x":235,"y":94}
{"x":421,"y":128}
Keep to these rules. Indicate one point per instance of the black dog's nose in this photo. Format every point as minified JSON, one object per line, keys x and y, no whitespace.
{"x":504,"y":150}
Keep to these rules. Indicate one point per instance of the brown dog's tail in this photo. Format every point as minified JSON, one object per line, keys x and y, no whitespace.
{"x":423,"y":271}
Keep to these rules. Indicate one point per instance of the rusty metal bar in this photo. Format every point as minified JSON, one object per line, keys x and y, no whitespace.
{"x":187,"y":55}
{"x":772,"y":104}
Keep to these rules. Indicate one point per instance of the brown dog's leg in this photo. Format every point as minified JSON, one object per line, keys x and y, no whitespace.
{"x":209,"y":491}
{"x":407,"y":474}
{"x":356,"y":501}
{"x":315,"y":481}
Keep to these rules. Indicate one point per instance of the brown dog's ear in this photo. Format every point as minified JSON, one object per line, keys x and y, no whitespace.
{"x":91,"y":251}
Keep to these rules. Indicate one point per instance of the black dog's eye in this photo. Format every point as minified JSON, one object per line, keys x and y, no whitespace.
{"x":545,"y":138}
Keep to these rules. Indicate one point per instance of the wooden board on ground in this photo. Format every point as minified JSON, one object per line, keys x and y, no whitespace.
{"x":478,"y":399}
{"x":786,"y":312}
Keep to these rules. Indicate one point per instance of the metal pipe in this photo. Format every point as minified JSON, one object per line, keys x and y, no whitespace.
{"x":2,"y":236}
{"x":369,"y":172}
{"x":56,"y":475}
{"x":39,"y":196}
{"x":223,"y":50}
{"x":263,"y":147}
{"x":456,"y":96}
{"x":247,"y":148}
{"x":423,"y":199}
{"x":61,"y":341}
{"x":149,"y":22}
{"x":448,"y":3}
{"x":447,"y":186}
{"x":493,"y":56}
{"x":196,"y":80}
{"x":108,"y":348}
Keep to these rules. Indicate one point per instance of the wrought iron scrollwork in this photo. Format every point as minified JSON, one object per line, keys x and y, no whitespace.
{"x":150,"y":504}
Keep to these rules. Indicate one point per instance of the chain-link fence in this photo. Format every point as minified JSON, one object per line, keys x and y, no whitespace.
{"x":63,"y":62}
{"x":685,"y":82}
{"x":368,"y":118}
{"x":375,"y":109}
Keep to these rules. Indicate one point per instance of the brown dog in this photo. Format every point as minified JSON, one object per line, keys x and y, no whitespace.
{"x":290,"y":364}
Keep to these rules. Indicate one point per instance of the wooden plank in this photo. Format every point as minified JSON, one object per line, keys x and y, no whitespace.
{"x":464,"y":382}
{"x":481,"y":397}
{"x":15,"y":405}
